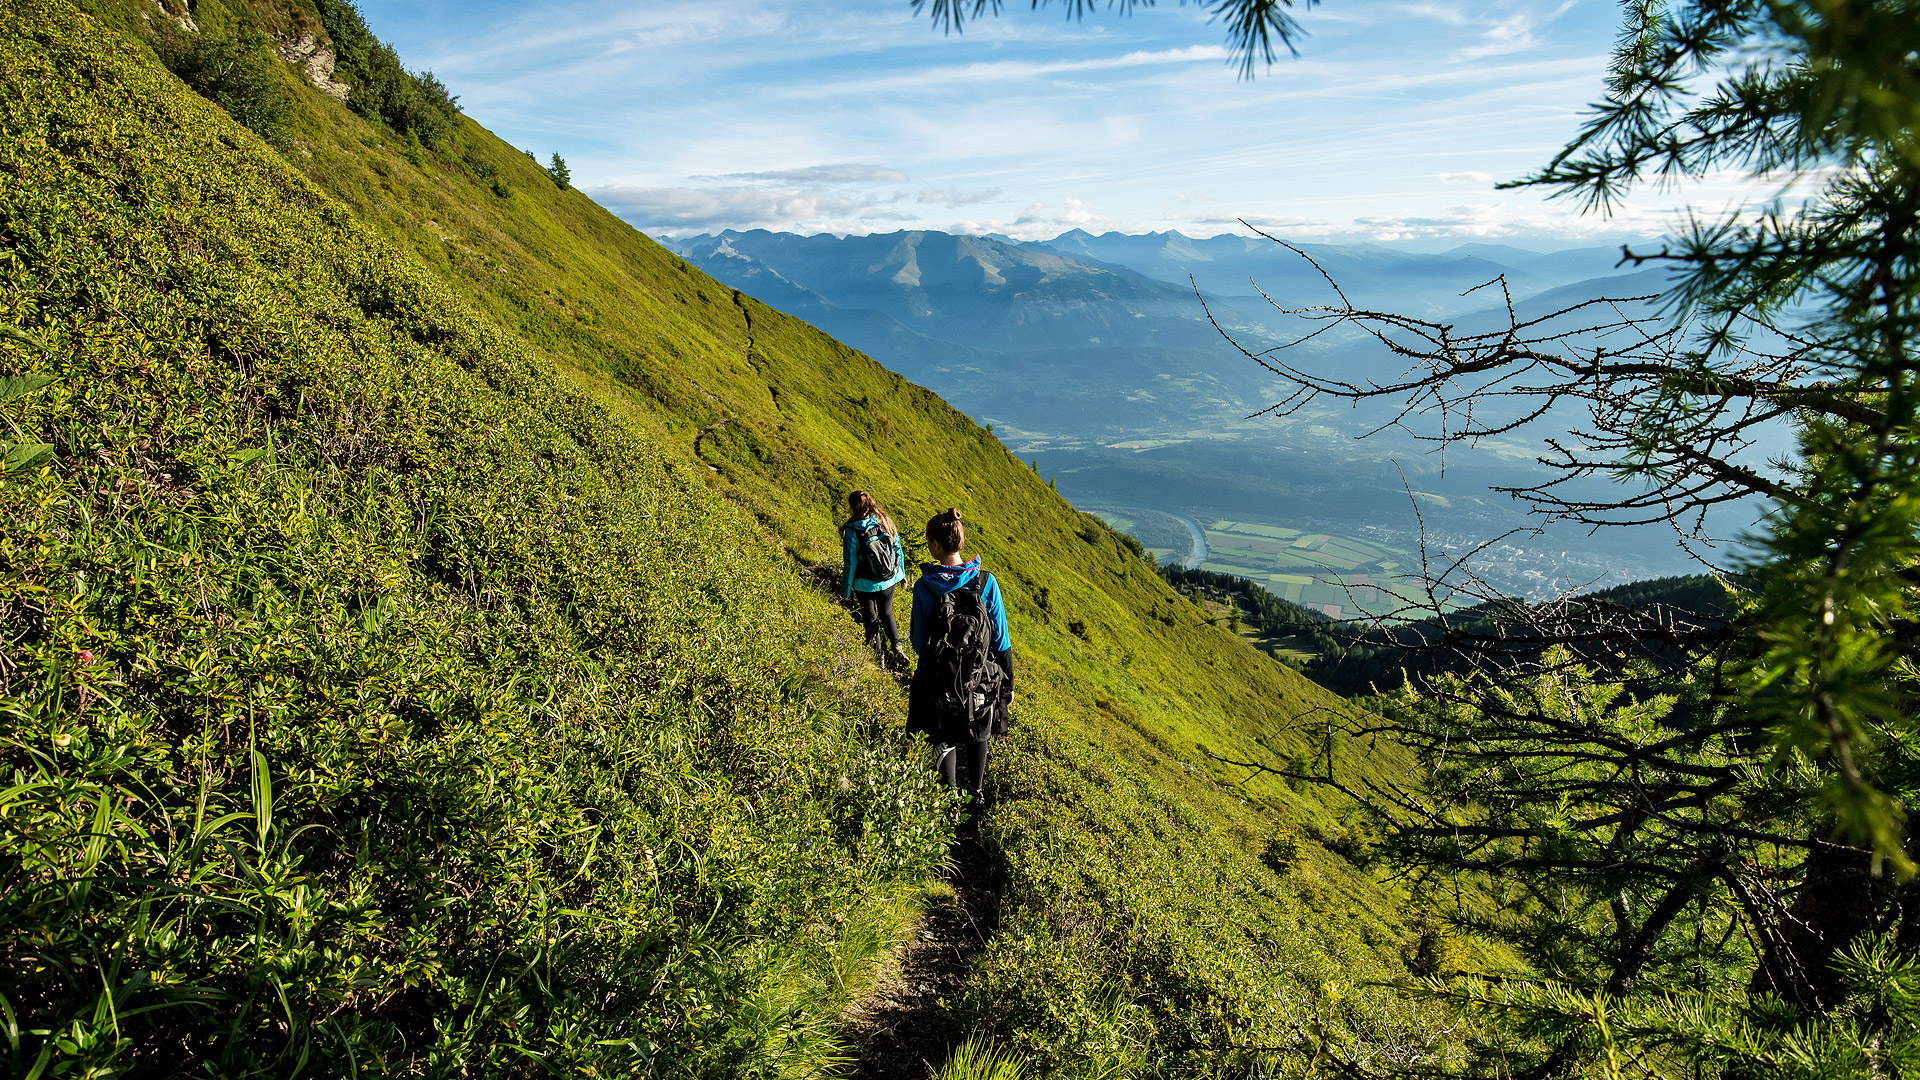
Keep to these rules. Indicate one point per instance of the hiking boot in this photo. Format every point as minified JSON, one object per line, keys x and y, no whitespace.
{"x":899,"y":660}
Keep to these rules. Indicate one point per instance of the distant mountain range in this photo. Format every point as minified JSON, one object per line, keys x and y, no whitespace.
{"x":1371,"y":275}
{"x":1088,"y":339}
{"x":1095,"y":357}
{"x":1019,"y":333}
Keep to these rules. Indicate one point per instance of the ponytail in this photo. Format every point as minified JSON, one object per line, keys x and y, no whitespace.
{"x":945,"y":533}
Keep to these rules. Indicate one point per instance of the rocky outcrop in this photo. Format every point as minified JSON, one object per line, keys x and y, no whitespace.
{"x":315,"y":58}
{"x":180,"y":19}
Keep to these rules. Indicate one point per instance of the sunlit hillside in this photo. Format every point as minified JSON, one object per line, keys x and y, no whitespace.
{"x":416,"y":659}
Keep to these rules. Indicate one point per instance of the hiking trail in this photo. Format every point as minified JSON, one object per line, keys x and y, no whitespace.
{"x":901,"y":1029}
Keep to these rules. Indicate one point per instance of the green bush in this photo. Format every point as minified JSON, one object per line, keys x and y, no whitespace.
{"x":412,"y":103}
{"x":1282,"y":849}
{"x":487,"y":173}
{"x":1358,"y":842}
{"x":1435,"y":950}
{"x":1135,"y":940}
{"x":235,"y":72}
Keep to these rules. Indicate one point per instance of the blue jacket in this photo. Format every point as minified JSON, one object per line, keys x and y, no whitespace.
{"x":936,"y":580}
{"x":849,"y":582}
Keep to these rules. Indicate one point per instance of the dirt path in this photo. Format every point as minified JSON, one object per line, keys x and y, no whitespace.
{"x":902,"y":1028}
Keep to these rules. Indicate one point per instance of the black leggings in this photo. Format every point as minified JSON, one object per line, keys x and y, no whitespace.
{"x":963,"y":765}
{"x":876,"y":614}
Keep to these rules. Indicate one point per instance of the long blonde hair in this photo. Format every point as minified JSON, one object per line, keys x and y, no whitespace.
{"x":861,"y":505}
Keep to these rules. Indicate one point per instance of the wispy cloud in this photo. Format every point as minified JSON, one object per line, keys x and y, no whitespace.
{"x":674,"y":208}
{"x":848,"y":173}
{"x":1002,"y":71}
{"x":1466,"y":178}
{"x":951,"y":198}
{"x":1513,"y":33}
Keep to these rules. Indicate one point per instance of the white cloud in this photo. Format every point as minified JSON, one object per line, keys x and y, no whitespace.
{"x":1004,"y":71}
{"x":679,"y":208}
{"x":1459,"y":223}
{"x":1512,"y":34}
{"x":567,"y":35}
{"x":844,"y":173}
{"x":1040,"y":221}
{"x":952,"y":199}
{"x":1466,"y":178}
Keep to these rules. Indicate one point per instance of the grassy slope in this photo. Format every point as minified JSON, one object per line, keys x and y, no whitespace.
{"x":372,"y":699}
{"x":1133,"y":869}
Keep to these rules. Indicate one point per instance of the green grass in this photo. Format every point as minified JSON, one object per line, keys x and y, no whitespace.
{"x":373,"y":699}
{"x":400,"y":481}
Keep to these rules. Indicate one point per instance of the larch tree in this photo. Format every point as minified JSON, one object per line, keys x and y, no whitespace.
{"x":1692,"y":834}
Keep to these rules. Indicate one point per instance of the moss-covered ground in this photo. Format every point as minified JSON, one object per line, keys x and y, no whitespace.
{"x":410,"y":661}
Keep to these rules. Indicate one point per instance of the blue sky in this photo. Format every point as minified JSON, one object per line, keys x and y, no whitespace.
{"x":1393,"y":125}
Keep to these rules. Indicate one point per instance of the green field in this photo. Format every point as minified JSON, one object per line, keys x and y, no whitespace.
{"x":1342,"y":576}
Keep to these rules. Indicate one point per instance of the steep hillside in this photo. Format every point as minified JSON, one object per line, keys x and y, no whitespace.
{"x":373,"y":700}
{"x":413,"y":646}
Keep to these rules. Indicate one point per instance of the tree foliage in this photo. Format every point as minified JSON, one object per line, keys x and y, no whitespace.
{"x":415,"y":104}
{"x":234,"y":71}
{"x":1694,"y":838}
{"x":1795,"y":317}
{"x":1256,"y":29}
{"x":1705,"y":867}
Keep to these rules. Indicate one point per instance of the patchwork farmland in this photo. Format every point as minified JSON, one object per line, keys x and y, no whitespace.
{"x":1339,"y":575}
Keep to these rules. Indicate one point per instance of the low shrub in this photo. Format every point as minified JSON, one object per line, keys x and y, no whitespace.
{"x":1135,"y":940}
{"x":235,"y":72}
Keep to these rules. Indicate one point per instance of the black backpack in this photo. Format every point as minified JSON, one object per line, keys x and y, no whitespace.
{"x":958,"y":664}
{"x":876,"y":557}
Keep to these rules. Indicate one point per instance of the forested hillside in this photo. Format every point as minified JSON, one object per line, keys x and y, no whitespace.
{"x":414,"y":661}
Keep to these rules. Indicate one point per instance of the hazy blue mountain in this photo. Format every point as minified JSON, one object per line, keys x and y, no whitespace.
{"x":1085,"y":338}
{"x":1094,"y":355}
{"x":1564,"y":267}
{"x":993,"y":294}
{"x":1025,"y":336}
{"x":1370,"y":275}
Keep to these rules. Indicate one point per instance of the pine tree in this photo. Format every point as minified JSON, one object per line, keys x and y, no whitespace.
{"x":558,"y":170}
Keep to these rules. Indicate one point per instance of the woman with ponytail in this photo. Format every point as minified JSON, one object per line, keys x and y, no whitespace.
{"x":875,"y":566}
{"x":964,"y":685}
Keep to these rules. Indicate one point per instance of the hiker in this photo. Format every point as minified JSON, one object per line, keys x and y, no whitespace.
{"x":875,"y":565}
{"x":964,"y":686}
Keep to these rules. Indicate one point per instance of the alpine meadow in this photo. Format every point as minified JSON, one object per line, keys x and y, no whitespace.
{"x":422,"y":650}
